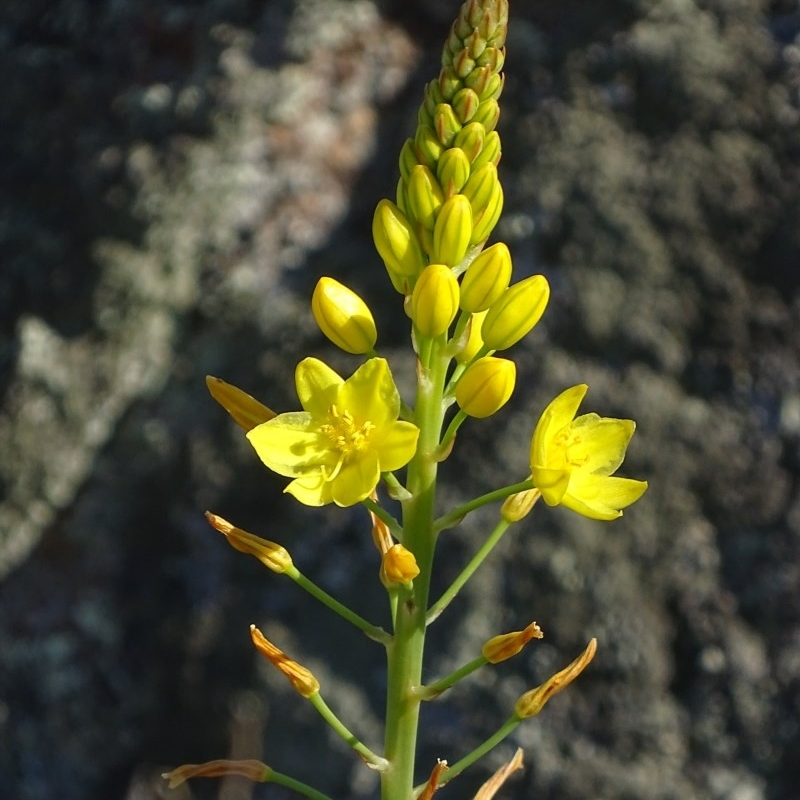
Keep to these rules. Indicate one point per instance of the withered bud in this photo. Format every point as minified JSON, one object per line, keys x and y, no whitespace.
{"x":432,"y":784}
{"x":506,"y":645}
{"x":519,"y":505}
{"x":271,"y":555}
{"x":493,"y":785}
{"x":250,"y":768}
{"x":246,"y":411}
{"x":304,"y":683}
{"x":398,"y":567}
{"x":533,"y":701}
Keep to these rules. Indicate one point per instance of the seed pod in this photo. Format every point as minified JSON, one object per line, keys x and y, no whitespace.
{"x":486,"y":386}
{"x":515,"y":313}
{"x":486,"y":278}
{"x":434,"y":301}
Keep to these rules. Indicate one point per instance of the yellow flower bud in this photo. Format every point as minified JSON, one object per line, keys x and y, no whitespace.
{"x":478,"y":79}
{"x":343,"y":317}
{"x":485,"y":195}
{"x":396,"y":241}
{"x":428,"y":146}
{"x":424,"y":195}
{"x":302,"y":680}
{"x":491,"y":152}
{"x":465,"y":103}
{"x":473,"y":338}
{"x":272,"y":556}
{"x":452,"y":232}
{"x":487,"y":114}
{"x":446,"y":124}
{"x":434,"y":301}
{"x":470,"y":139}
{"x":246,"y":411}
{"x":519,"y":505}
{"x":398,"y":567}
{"x":486,"y":278}
{"x":486,"y":386}
{"x":507,"y":645}
{"x":453,"y":170}
{"x":515,"y":313}
{"x":532,"y":702}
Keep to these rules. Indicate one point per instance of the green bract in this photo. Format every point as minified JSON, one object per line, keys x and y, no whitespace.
{"x":346,"y":435}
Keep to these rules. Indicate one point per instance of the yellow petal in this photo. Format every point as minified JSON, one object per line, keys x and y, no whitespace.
{"x":289,"y":444}
{"x":600,"y":497}
{"x":356,"y":480}
{"x":552,"y":483}
{"x":556,"y":416}
{"x":370,"y":394}
{"x":396,"y":445}
{"x":598,"y":443}
{"x":311,"y":490}
{"x":317,"y":386}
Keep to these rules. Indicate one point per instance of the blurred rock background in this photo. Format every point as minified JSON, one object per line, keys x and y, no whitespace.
{"x":175,"y":178}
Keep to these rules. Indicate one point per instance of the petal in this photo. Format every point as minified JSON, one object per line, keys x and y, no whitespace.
{"x":317,"y":386}
{"x":356,"y":480}
{"x":311,"y":489}
{"x":290,"y":444}
{"x":600,"y":497}
{"x":370,"y":394}
{"x":552,"y":483}
{"x":598,"y":444}
{"x":395,"y":445}
{"x":555,"y":418}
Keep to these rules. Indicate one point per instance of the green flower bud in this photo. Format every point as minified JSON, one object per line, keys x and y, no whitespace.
{"x":465,"y":103}
{"x":487,"y":114}
{"x":428,"y":146}
{"x":485,"y":195}
{"x":424,"y":196}
{"x":396,"y":242}
{"x":401,"y":196}
{"x":473,"y":339}
{"x":515,"y":313}
{"x":408,"y":158}
{"x":463,"y":64}
{"x":433,"y":96}
{"x":453,"y":170}
{"x":343,"y":317}
{"x":452,"y":232}
{"x":449,"y":84}
{"x":486,"y":278}
{"x":446,"y":124}
{"x":471,"y":140}
{"x":434,"y":301}
{"x":492,"y":57}
{"x":486,"y":386}
{"x":478,"y":80}
{"x":490,"y":153}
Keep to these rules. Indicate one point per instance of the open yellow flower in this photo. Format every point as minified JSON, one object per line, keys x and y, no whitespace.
{"x":573,"y":458}
{"x":346,"y":435}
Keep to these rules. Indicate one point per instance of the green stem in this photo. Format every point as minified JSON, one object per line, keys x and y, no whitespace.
{"x":373,"y":631}
{"x":457,"y":514}
{"x":375,"y":761}
{"x":383,"y":515}
{"x":296,"y":786}
{"x":455,"y":587}
{"x":432,"y":690}
{"x":405,"y":653}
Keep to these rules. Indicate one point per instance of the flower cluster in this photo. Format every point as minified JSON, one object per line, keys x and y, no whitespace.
{"x":353,"y":434}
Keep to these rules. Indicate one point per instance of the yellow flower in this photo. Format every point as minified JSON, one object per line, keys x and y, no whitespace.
{"x":572,"y":459}
{"x":346,"y":435}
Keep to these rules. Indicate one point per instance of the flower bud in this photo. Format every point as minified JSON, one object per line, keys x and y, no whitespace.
{"x":449,"y":83}
{"x":246,"y":411}
{"x":427,"y":145}
{"x":343,"y":317}
{"x":453,"y":170}
{"x":533,"y":701}
{"x":302,"y":680}
{"x":452,"y":232}
{"x":473,"y":339}
{"x":408,"y":158}
{"x":486,"y":278}
{"x":433,"y":96}
{"x":465,"y":103}
{"x":424,"y":196}
{"x":491,"y":152}
{"x":486,"y":386}
{"x":519,"y":505}
{"x":446,"y":124}
{"x":434,"y":301}
{"x":479,"y":79}
{"x":398,"y":567}
{"x":487,"y":114}
{"x":272,"y":556}
{"x":515,"y":313}
{"x":470,"y":139}
{"x":396,"y":241}
{"x":485,"y":195}
{"x":463,"y":64}
{"x":507,"y":645}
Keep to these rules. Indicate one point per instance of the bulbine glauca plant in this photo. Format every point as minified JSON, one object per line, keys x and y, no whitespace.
{"x":355,"y":440}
